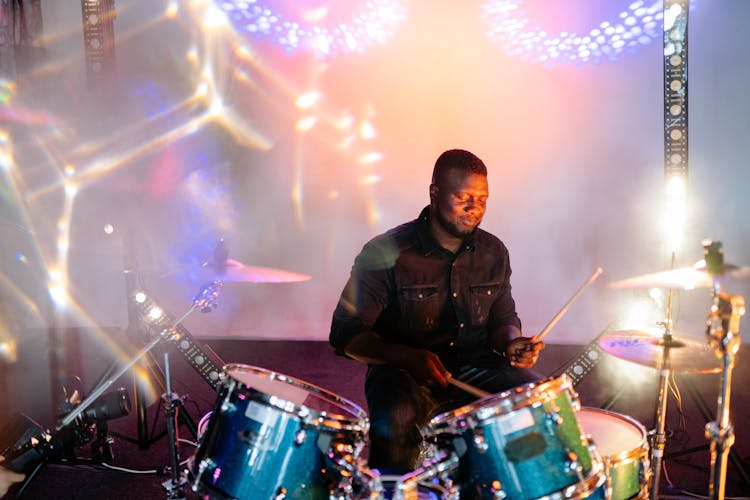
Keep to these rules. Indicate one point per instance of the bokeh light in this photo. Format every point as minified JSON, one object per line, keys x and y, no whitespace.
{"x":509,"y":27}
{"x":302,"y":28}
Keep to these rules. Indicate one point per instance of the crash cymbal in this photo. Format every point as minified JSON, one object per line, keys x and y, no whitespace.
{"x":685,"y":278}
{"x":234,"y":271}
{"x":648,"y":349}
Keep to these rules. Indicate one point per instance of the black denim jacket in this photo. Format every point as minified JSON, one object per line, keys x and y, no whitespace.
{"x":410,"y":290}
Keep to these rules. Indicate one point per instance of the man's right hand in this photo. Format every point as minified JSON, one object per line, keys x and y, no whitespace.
{"x":424,"y":366}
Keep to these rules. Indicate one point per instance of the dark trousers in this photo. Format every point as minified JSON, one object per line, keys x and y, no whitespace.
{"x":399,"y":408}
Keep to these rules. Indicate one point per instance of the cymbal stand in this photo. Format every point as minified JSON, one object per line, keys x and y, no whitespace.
{"x":659,"y":438}
{"x":722,"y":328}
{"x":205,"y":301}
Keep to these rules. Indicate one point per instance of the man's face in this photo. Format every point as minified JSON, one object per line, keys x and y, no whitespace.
{"x":459,"y":201}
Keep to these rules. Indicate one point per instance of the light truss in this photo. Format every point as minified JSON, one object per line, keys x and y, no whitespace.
{"x":676,"y":88}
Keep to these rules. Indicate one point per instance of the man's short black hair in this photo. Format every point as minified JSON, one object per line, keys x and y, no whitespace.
{"x":459,"y":159}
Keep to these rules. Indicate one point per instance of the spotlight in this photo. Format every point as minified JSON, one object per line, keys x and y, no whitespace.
{"x":155,"y":314}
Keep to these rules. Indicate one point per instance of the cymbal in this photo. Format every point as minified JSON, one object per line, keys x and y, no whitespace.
{"x":685,"y":278}
{"x":235,"y":271}
{"x":648,"y":349}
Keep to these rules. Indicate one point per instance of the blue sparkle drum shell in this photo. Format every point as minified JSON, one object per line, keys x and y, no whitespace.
{"x":273,"y":436}
{"x":525,"y":443}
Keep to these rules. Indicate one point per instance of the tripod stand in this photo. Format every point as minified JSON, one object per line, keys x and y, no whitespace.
{"x":708,"y":416}
{"x":154,"y":374}
{"x":147,"y":365}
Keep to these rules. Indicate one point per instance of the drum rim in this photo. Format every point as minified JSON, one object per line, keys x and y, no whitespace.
{"x":595,"y":479}
{"x":622,"y":457}
{"x":521,"y":396}
{"x":324,"y":418}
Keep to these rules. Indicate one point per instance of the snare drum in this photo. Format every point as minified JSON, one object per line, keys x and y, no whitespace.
{"x":523,"y":443}
{"x":271,"y":436}
{"x":401,"y":488}
{"x":623,"y":446}
{"x":430,"y":482}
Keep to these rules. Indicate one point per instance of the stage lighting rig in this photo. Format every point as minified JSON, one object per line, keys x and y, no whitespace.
{"x":26,"y":445}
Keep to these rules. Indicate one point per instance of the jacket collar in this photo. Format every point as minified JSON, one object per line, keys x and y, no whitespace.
{"x":427,"y":242}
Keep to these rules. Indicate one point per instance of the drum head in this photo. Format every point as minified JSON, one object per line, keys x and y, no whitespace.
{"x":612,"y":433}
{"x":502,"y":403}
{"x":294,"y":395}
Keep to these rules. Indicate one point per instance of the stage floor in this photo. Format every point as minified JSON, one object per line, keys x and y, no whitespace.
{"x":619,"y":386}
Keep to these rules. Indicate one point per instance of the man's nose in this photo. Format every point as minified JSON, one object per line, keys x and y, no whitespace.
{"x":473,"y":205}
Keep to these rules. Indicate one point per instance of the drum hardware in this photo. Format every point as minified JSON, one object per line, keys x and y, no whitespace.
{"x":686,"y":278}
{"x":668,"y":354}
{"x":520,"y":442}
{"x":433,"y":478}
{"x":664,"y":354}
{"x":137,"y":329}
{"x":174,"y":486}
{"x":722,"y":329}
{"x":301,"y":441}
{"x":221,"y":268}
{"x":709,"y":416}
{"x":622,"y":443}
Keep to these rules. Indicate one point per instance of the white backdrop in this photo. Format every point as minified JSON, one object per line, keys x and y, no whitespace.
{"x":205,"y":137}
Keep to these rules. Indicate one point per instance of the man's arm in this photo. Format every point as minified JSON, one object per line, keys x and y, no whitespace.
{"x":424,"y":366}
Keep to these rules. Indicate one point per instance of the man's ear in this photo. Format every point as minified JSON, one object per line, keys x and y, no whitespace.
{"x":433,"y":192}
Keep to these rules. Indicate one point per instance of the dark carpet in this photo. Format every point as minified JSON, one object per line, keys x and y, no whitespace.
{"x":139,"y":466}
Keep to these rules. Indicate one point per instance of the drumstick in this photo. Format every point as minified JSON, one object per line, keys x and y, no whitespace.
{"x":474,"y":391}
{"x":562,"y":311}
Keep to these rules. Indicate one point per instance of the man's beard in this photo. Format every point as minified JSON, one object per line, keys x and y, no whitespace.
{"x":452,"y":228}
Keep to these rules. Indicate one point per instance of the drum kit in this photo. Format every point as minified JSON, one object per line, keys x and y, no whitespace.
{"x":272,"y":436}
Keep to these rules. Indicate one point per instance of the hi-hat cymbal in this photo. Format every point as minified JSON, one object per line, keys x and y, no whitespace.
{"x":685,"y":278}
{"x":648,"y":349}
{"x":235,"y":271}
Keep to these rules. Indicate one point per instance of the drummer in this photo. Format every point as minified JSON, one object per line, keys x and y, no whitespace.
{"x":430,"y":300}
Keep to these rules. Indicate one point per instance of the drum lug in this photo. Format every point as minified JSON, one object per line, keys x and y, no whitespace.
{"x":555,"y":418}
{"x":573,"y":464}
{"x":591,"y":446}
{"x":575,"y":403}
{"x":280,"y":493}
{"x":300,"y":437}
{"x":480,"y":443}
{"x":497,"y":490}
{"x":205,"y":464}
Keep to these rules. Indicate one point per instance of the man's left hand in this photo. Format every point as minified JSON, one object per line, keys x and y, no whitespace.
{"x":523,"y":352}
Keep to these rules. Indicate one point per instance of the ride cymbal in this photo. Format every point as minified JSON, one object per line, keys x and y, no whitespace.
{"x":685,"y":278}
{"x":650,"y":349}
{"x":234,"y":271}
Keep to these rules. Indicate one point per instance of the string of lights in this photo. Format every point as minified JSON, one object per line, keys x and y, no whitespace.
{"x":373,"y":22}
{"x":509,"y":26}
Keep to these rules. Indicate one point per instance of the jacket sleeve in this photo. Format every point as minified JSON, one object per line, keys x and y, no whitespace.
{"x":367,"y":293}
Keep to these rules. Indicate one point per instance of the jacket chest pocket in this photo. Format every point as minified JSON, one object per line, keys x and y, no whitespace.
{"x":481,"y":298}
{"x":420,"y":307}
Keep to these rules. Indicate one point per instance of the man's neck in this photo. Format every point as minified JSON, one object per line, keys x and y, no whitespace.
{"x":443,"y":237}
